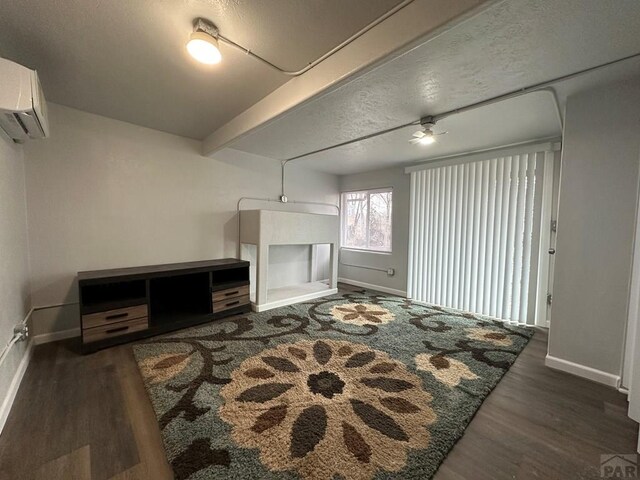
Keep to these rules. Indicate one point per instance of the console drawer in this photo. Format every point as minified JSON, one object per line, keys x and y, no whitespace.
{"x":114,"y":330}
{"x":228,"y":293}
{"x":230,"y":303}
{"x":112,"y":316}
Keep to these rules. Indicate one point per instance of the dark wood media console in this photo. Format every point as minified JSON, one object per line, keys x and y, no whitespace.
{"x":125,"y":304}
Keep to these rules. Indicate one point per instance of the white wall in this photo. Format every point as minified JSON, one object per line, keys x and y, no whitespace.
{"x":289,"y":265}
{"x":294,"y":264}
{"x":596,"y":222}
{"x":397,"y":259}
{"x":14,"y":262}
{"x":631,"y":364}
{"x":103,"y":193}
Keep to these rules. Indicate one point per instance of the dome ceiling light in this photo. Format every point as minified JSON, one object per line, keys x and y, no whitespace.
{"x":203,"y":43}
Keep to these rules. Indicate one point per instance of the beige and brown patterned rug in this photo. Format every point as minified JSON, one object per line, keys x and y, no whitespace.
{"x":353,"y":386}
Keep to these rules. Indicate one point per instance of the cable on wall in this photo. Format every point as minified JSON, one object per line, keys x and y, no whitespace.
{"x":5,"y":351}
{"x":513,"y":94}
{"x":377,"y":269}
{"x":297,"y":73}
{"x":284,"y":163}
{"x":283,"y":197}
{"x":21,"y":330}
{"x":547,"y":85}
{"x":256,"y":199}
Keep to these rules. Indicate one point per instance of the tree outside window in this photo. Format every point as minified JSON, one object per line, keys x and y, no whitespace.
{"x":366,"y":220}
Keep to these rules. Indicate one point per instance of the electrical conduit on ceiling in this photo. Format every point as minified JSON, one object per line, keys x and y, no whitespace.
{"x":516,"y":93}
{"x":351,"y":39}
{"x":435,"y":118}
{"x":283,"y":198}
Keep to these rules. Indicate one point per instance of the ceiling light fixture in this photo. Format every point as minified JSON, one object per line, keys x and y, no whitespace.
{"x":203,"y":43}
{"x":547,"y":84}
{"x":425,"y":136}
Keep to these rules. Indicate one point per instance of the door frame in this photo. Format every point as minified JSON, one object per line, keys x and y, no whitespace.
{"x":550,"y":176}
{"x":631,"y":361}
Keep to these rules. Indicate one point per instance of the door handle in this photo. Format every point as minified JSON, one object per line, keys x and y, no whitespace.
{"x":552,"y":251}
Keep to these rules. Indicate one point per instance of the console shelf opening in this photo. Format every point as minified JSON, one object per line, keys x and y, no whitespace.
{"x":180,"y":295}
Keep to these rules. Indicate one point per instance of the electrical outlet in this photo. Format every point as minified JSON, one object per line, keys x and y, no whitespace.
{"x":391,"y":272}
{"x":21,"y":331}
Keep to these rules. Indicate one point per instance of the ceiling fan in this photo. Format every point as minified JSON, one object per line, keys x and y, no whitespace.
{"x":426,"y":135}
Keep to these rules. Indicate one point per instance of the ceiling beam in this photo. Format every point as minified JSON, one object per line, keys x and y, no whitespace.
{"x":413,"y":25}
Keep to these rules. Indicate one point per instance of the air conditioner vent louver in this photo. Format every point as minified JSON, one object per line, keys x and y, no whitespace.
{"x":22,"y":125}
{"x":12,"y":125}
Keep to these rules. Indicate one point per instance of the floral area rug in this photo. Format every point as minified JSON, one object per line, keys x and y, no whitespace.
{"x":352,"y":386}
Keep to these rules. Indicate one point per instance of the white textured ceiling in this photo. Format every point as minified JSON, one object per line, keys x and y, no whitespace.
{"x":529,"y":117}
{"x":508,"y":46}
{"x":126,"y":59}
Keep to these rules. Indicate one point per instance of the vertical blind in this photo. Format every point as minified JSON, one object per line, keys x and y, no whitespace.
{"x":472,"y":235}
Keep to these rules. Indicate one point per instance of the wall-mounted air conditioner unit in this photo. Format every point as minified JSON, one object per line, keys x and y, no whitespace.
{"x":23,"y":110}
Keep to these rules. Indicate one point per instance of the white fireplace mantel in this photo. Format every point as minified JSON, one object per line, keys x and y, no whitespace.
{"x":264,"y":228}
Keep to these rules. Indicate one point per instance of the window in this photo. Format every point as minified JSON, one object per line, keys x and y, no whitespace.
{"x":366,"y":220}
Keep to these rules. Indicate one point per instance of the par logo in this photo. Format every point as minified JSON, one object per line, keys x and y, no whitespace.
{"x":619,"y":466}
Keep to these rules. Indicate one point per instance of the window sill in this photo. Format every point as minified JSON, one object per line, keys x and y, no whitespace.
{"x":363,"y":250}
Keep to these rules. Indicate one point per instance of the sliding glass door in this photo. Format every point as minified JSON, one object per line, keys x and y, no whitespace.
{"x":480,"y":235}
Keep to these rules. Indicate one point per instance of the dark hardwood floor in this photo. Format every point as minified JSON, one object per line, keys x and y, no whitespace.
{"x":88,"y":417}
{"x":541,"y":423}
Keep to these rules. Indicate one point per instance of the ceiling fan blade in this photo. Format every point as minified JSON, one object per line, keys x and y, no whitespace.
{"x":414,"y":141}
{"x":441,"y":133}
{"x":419,"y":134}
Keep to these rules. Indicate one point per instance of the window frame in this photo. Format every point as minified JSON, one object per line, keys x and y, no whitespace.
{"x":343,"y":219}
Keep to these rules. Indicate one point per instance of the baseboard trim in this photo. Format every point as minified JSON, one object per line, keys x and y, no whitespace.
{"x":55,"y":336}
{"x":10,"y":396}
{"x":583,"y":371}
{"x":371,"y":286}
{"x":290,"y":301}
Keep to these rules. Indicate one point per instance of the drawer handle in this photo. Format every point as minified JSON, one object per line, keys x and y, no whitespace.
{"x":119,"y":329}
{"x":228,"y":294}
{"x":116,"y":315}
{"x":231,"y":304}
